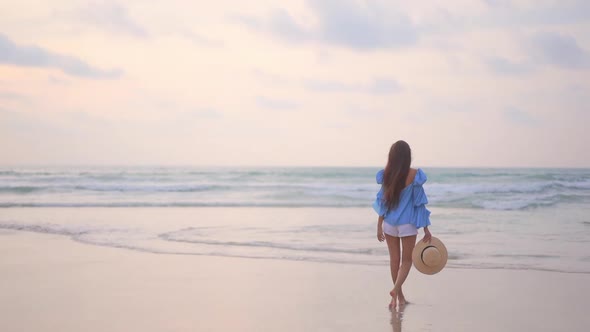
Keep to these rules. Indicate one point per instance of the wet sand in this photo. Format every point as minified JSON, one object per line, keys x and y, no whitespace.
{"x":51,"y":283}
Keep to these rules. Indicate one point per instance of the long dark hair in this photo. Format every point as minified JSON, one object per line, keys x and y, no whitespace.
{"x":396,"y":172}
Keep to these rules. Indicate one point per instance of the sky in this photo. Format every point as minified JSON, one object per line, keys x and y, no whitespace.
{"x":467,"y":83}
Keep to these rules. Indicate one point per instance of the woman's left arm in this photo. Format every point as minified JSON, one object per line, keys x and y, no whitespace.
{"x":380,"y":234}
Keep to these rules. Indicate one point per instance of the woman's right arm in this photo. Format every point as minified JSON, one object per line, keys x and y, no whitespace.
{"x":427,"y":235}
{"x":380,"y":234}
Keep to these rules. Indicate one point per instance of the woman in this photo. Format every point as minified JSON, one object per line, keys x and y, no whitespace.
{"x":401,"y":207}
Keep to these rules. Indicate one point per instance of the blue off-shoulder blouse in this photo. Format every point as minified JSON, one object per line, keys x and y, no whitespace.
{"x":412,"y":203}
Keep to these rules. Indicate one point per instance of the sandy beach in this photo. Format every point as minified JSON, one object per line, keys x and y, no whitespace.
{"x":51,"y":283}
{"x":176,"y":166}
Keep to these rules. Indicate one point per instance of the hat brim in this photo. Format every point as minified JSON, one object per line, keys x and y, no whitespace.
{"x":417,"y":256}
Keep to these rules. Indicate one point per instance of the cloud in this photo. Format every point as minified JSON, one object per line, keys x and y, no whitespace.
{"x":384,"y":86}
{"x":497,"y":3}
{"x":503,"y":66}
{"x":35,"y":56}
{"x":11,"y":96}
{"x":57,"y":80}
{"x":377,"y":86}
{"x":519,"y":117}
{"x":200,"y":40}
{"x":558,"y":12}
{"x":559,"y":50}
{"x":574,"y":97}
{"x":344,"y":23}
{"x":276,"y":104}
{"x":285,"y":26}
{"x":112,"y":17}
{"x":504,"y":14}
{"x":547,"y":48}
{"x":348,"y":23}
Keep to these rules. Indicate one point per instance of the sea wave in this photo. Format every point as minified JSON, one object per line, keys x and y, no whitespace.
{"x":501,"y":189}
{"x":506,"y":188}
{"x":293,"y":200}
{"x":21,"y":189}
{"x":118,"y":204}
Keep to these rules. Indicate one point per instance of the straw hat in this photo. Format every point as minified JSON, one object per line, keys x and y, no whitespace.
{"x":431,"y":257}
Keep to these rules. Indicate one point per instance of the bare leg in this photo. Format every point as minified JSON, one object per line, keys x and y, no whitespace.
{"x":408,"y":243}
{"x":401,"y":298}
{"x":394,"y":257}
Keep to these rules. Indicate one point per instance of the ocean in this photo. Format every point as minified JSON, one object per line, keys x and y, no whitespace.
{"x":524,"y":219}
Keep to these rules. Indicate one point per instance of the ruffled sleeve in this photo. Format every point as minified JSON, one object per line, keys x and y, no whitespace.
{"x":420,"y":200}
{"x":379,"y":176}
{"x":378,"y":205}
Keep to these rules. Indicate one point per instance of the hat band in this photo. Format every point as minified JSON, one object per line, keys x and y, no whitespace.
{"x":422,"y":254}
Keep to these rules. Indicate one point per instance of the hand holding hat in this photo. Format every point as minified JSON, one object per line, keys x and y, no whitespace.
{"x":430,"y":257}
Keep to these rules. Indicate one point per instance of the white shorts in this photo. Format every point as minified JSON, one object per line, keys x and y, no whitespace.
{"x":400,"y":230}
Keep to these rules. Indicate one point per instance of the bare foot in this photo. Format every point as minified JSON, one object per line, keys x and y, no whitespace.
{"x":393,"y":303}
{"x":401,"y":299}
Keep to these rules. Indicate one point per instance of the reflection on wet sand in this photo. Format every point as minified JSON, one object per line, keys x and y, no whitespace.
{"x":397,"y":315}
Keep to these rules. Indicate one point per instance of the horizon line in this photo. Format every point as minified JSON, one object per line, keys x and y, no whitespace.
{"x":180,"y":165}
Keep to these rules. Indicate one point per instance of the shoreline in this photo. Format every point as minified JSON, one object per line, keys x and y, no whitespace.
{"x":8,"y":231}
{"x":54,"y":284}
{"x":307,"y":234}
